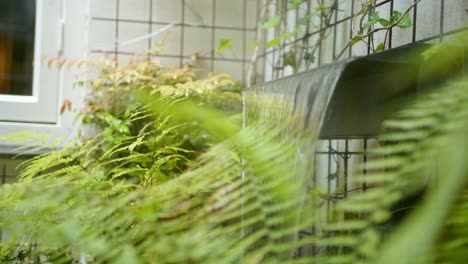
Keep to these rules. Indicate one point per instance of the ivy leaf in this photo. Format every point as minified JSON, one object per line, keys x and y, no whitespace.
{"x":321,"y":7}
{"x":374,"y":19}
{"x":309,"y":57}
{"x":385,"y":22}
{"x":223,"y":44}
{"x":295,"y":3}
{"x":289,"y":35}
{"x":395,"y":16}
{"x":305,"y":19}
{"x":289,"y":59}
{"x":272,"y":23}
{"x":405,"y":22}
{"x":274,"y":42}
{"x":380,"y":47}
{"x":355,"y":40}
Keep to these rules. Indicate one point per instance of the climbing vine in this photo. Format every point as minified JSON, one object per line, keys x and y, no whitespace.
{"x":293,"y":21}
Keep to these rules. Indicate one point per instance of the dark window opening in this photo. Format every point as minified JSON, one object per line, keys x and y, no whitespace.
{"x":17,"y":24}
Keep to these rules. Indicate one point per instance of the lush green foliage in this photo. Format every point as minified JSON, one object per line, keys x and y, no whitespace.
{"x":244,"y":201}
{"x":131,"y":138}
{"x":206,"y":215}
{"x":424,"y":151}
{"x":292,"y":22}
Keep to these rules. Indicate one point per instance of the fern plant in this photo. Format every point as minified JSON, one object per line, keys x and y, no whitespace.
{"x":114,"y":221}
{"x":131,"y":138}
{"x":244,"y":201}
{"x":423,"y":152}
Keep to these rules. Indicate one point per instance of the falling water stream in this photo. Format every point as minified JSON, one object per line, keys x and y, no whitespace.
{"x":299,"y":99}
{"x":296,"y":104}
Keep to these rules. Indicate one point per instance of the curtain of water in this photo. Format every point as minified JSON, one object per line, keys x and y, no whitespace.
{"x":300,"y":101}
{"x":296,"y":104}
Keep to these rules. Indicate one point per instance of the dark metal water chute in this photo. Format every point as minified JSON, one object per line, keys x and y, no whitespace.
{"x":350,"y":98}
{"x":370,"y":89}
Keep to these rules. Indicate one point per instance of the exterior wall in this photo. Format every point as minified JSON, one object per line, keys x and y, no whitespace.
{"x":433,"y":21}
{"x":64,"y":35}
{"x":337,"y":161}
{"x":197,"y":27}
{"x":99,"y":27}
{"x":96,"y":28}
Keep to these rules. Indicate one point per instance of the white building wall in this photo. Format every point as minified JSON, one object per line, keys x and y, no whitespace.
{"x":436,"y":20}
{"x":198,"y":27}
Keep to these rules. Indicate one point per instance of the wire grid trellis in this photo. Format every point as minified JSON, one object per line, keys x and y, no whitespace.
{"x":339,"y":160}
{"x":336,"y":23}
{"x":336,"y":161}
{"x":338,"y":157}
{"x":211,"y":60}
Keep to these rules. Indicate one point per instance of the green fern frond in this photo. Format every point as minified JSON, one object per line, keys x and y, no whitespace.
{"x":412,"y":142}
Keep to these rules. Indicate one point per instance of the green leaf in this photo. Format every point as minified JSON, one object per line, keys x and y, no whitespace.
{"x":416,"y":230}
{"x":395,"y":16}
{"x":374,"y":19}
{"x":405,"y":22}
{"x":305,"y":19}
{"x":289,"y":35}
{"x":321,"y":7}
{"x":309,"y":57}
{"x":135,"y":144}
{"x":435,"y":50}
{"x":128,"y":255}
{"x":112,"y":121}
{"x":274,"y":42}
{"x":272,"y":23}
{"x":289,"y":59}
{"x":223,"y":44}
{"x":355,"y":40}
{"x":384,"y":22}
{"x":294,"y":3}
{"x":380,"y":47}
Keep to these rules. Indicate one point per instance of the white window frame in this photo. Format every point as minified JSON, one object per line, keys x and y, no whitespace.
{"x":61,"y":30}
{"x":42,"y":105}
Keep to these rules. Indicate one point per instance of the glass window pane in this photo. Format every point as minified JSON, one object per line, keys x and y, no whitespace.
{"x":17,"y":20}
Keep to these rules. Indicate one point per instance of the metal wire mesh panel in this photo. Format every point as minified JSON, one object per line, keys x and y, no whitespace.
{"x":187,"y":29}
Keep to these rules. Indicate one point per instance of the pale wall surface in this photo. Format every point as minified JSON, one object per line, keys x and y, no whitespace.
{"x":200,"y":25}
{"x":436,"y":20}
{"x":337,"y":161}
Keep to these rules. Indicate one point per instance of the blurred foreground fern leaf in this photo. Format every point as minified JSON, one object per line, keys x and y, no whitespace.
{"x":244,"y":201}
